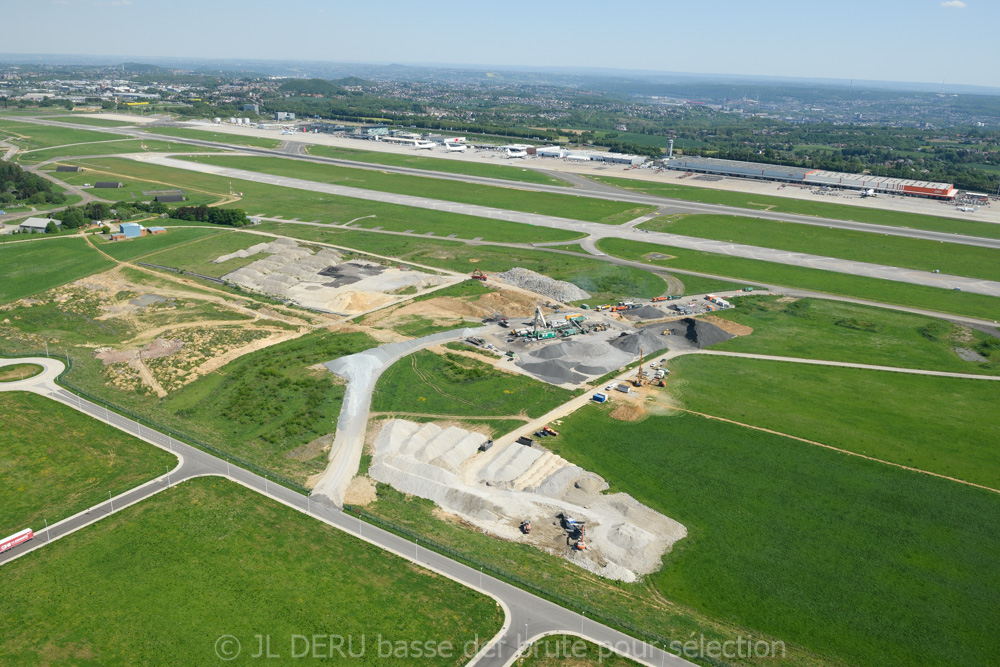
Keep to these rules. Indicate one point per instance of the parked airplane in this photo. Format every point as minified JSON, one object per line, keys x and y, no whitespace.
{"x":424,"y":145}
{"x":456,"y":148}
{"x":869,"y":193}
{"x":511,"y":153}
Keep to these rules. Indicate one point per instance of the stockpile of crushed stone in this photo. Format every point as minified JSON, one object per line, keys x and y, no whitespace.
{"x":700,"y":333}
{"x":645,"y":313}
{"x":557,"y":290}
{"x":572,"y":361}
{"x":645,"y":340}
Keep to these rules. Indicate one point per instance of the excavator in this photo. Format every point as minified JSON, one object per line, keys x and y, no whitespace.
{"x":478,"y":275}
{"x":526,"y":527}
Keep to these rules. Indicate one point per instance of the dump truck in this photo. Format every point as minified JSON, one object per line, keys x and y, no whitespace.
{"x":657,"y":298}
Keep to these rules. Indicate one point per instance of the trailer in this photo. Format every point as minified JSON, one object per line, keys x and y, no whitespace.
{"x":599,"y":397}
{"x":17,"y":538}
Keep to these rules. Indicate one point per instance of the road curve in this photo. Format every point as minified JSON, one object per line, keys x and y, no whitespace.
{"x":527,"y":616}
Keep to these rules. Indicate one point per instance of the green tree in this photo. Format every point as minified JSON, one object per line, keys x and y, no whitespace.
{"x":51,"y":228}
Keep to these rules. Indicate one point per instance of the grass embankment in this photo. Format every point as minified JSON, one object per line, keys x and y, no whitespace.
{"x":55,"y":462}
{"x":220,"y":137}
{"x":164,"y":580}
{"x":513,"y":199}
{"x":507,"y":173}
{"x":18,"y":372}
{"x":942,"y":425}
{"x":32,"y":267}
{"x":275,"y":201}
{"x":839,"y":331}
{"x":818,"y":209}
{"x":829,"y":282}
{"x":950,"y":258}
{"x":604,"y":281}
{"x":453,"y":384}
{"x":852,"y":559}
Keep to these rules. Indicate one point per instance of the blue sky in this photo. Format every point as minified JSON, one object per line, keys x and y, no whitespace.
{"x":892,"y":40}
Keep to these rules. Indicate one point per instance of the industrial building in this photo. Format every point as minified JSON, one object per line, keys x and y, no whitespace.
{"x":66,"y":167}
{"x":587,"y":156}
{"x":172,"y":197}
{"x":132,"y":230}
{"x":109,"y":184}
{"x":36,"y":225}
{"x":813,"y":177}
{"x":284,"y":115}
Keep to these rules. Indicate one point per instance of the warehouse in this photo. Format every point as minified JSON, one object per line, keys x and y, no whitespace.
{"x":66,"y":167}
{"x":817,"y":177}
{"x":36,"y":225}
{"x":109,"y":184}
{"x":171,"y":197}
{"x":132,"y":230}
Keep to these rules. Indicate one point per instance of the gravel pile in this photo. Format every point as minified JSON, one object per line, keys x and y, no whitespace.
{"x":557,"y":290}
{"x":700,"y":333}
{"x":645,"y":313}
{"x":572,"y":361}
{"x":646,"y":340}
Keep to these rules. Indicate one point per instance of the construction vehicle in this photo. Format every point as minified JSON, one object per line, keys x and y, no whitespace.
{"x":674,"y":297}
{"x":526,"y":527}
{"x":478,"y":275}
{"x":503,"y":322}
{"x":542,"y":335}
{"x":659,"y":383}
{"x":638,"y":379}
{"x":575,"y":317}
{"x":600,"y":326}
{"x":667,"y":332}
{"x":549,"y":431}
{"x":580,"y":545}
{"x":657,"y":298}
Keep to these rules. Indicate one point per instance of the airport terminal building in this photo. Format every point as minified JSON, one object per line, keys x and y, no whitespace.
{"x":813,"y":177}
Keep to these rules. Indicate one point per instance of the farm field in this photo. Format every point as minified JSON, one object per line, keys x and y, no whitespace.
{"x":950,"y":258}
{"x":205,"y":135}
{"x":602,"y":280}
{"x":270,"y":569}
{"x":56,"y":461}
{"x":450,"y":384}
{"x":851,"y":559}
{"x":839,"y":331}
{"x":35,"y":266}
{"x":818,"y":209}
{"x":753,"y":270}
{"x":270,"y":200}
{"x":564,"y":206}
{"x":508,"y":173}
{"x":875,"y":413}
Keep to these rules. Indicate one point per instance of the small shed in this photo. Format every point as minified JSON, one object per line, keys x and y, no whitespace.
{"x":109,"y":184}
{"x":157,"y":230}
{"x":170,"y":198}
{"x":131,"y":230}
{"x":117,"y":236}
{"x":66,"y":167}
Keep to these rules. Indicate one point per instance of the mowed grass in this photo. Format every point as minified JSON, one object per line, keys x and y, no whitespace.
{"x":35,"y":266}
{"x":221,"y":137}
{"x":448,"y":166}
{"x":30,"y":136}
{"x":289,"y":203}
{"x":91,"y":120}
{"x":818,"y":209}
{"x":198,"y":256}
{"x":133,"y":249}
{"x":18,"y":372}
{"x":114,"y":147}
{"x":938,"y":424}
{"x":603,"y":280}
{"x":163,"y":580}
{"x":55,"y":462}
{"x":950,"y":258}
{"x":839,"y":331}
{"x":452,"y":384}
{"x":565,"y":206}
{"x":850,"y":558}
{"x":829,"y":282}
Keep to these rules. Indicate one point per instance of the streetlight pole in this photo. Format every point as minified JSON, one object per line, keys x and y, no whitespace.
{"x":47,"y":538}
{"x":112,"y":502}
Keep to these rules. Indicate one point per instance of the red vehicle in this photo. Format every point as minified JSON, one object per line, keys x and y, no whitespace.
{"x":478,"y":275}
{"x":16,"y":539}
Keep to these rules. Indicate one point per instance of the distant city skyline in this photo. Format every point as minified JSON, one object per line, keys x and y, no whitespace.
{"x":925,"y":41}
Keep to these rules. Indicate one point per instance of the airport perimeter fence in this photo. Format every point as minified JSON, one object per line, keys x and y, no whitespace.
{"x":522,"y":583}
{"x":185,"y":438}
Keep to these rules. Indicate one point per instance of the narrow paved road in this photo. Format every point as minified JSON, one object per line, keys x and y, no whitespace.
{"x":527,"y":617}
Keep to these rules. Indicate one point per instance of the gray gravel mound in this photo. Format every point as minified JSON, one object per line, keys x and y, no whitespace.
{"x":645,"y":313}
{"x":557,"y":290}
{"x":702,"y":334}
{"x":555,"y":371}
{"x":646,"y":340}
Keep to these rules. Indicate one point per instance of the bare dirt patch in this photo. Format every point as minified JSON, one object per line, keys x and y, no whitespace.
{"x":787,"y":299}
{"x":729,"y":326}
{"x":311,"y":450}
{"x":627,"y":412}
{"x":361,"y":491}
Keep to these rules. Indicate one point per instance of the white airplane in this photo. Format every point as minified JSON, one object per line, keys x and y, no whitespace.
{"x":869,"y":193}
{"x":424,"y":145}
{"x":968,"y":209}
{"x":287,"y":129}
{"x":511,"y":153}
{"x":456,"y":148}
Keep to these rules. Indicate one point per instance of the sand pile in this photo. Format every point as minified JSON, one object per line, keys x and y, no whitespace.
{"x":557,"y":290}
{"x":573,"y":361}
{"x":497,"y":489}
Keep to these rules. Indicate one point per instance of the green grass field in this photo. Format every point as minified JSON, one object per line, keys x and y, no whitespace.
{"x":950,"y":258}
{"x":829,"y":282}
{"x":109,"y":148}
{"x":507,"y":173}
{"x":851,"y":559}
{"x":133,"y":249}
{"x":702,"y":285}
{"x":270,"y":201}
{"x":839,"y":331}
{"x":81,"y":119}
{"x":819,"y":209}
{"x":604,"y":281}
{"x":221,"y":137}
{"x":35,"y":266}
{"x":30,"y":136}
{"x":513,"y":199}
{"x":942,"y":425}
{"x":162,"y":581}
{"x":18,"y":372}
{"x":452,"y":384}
{"x":559,"y":650}
{"x":56,"y":462}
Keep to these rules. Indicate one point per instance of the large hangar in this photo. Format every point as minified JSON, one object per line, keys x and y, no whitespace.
{"x":819,"y":177}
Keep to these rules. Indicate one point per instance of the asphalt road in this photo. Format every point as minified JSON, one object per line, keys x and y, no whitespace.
{"x":598,"y":231}
{"x":528,"y":616}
